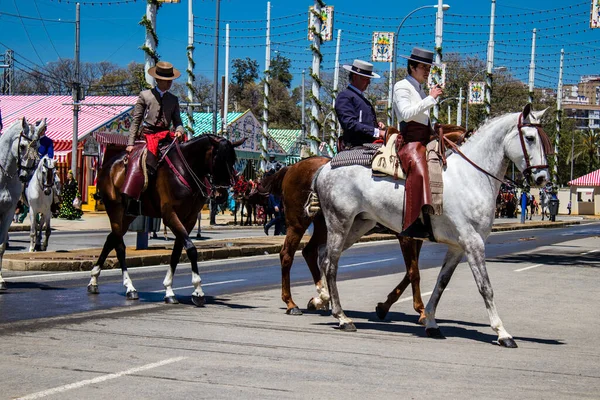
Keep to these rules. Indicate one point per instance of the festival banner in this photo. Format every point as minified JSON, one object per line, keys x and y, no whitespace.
{"x":476,"y":92}
{"x":595,"y":14}
{"x":383,"y":47}
{"x":437,"y":75}
{"x":326,"y":23}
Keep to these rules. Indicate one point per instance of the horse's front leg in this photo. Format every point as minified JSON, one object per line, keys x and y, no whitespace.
{"x":453,"y":257}
{"x":47,"y":231}
{"x":5,"y":224}
{"x":310,"y":252}
{"x":170,"y":297}
{"x":182,"y":235}
{"x":33,"y":230}
{"x":476,"y":259}
{"x":411,"y":249}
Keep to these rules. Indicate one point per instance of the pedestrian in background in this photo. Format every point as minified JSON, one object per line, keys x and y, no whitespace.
{"x":68,"y":209}
{"x":277,"y":220}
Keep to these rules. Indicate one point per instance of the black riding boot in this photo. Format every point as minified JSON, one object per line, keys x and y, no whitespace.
{"x":133,"y":207}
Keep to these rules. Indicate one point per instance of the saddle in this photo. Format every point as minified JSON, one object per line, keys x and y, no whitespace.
{"x":137,"y":172}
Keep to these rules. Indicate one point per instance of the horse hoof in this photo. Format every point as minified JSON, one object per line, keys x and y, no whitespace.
{"x":93,"y":289}
{"x":508,"y":343}
{"x":171,"y":300}
{"x":422,"y":320}
{"x":311,"y":305}
{"x":2,"y":286}
{"x":293,"y":311}
{"x":198,"y":300}
{"x":133,"y":295}
{"x":435,"y":333}
{"x":347,"y":327}
{"x":381,"y":311}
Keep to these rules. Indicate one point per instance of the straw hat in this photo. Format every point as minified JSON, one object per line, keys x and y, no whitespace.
{"x":165,"y":71}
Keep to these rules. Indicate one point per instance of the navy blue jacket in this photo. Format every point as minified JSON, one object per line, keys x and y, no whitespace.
{"x":358,"y":127}
{"x":46,"y":147}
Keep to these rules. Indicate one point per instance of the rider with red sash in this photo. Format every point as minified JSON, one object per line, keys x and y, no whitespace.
{"x":412,"y":106}
{"x":155,"y":111}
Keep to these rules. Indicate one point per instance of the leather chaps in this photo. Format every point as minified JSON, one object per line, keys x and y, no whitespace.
{"x":413,"y":157}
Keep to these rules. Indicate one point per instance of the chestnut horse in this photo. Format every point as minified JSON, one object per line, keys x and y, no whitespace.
{"x":293,"y":183}
{"x":177,"y":193}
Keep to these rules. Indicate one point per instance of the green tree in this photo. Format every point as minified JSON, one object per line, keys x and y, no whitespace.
{"x":280,"y":70}
{"x":244,"y":71}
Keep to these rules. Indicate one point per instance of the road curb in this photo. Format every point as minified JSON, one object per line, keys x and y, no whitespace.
{"x":84,"y":260}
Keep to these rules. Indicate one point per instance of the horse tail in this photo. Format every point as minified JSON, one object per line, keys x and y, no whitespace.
{"x":272,"y":183}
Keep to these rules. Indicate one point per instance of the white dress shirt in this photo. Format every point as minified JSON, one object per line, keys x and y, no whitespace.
{"x":410,"y":101}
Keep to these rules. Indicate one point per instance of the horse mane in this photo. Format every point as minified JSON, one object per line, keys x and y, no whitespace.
{"x":272,"y":183}
{"x":481,"y":130}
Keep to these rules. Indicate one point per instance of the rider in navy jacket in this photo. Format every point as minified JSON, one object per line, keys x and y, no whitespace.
{"x":355,"y":113}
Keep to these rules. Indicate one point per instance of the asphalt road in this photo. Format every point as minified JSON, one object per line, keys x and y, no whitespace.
{"x":41,"y":295}
{"x":242,"y":345}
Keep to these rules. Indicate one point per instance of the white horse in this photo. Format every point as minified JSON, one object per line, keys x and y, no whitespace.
{"x":353,"y":201}
{"x":18,"y":158}
{"x":40,"y":195}
{"x":544,"y":203}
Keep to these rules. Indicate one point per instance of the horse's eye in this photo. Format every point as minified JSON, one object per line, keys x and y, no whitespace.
{"x":530,"y":139}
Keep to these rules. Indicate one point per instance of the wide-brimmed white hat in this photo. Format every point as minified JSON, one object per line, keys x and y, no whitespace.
{"x":363,"y":68}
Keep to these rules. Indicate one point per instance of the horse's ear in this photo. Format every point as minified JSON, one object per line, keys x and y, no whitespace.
{"x":526,"y":111}
{"x":239,"y":142}
{"x":539,"y":114}
{"x":24,"y":123}
{"x":214,"y":140}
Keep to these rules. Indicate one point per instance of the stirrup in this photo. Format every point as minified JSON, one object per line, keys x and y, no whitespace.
{"x":133,"y":207}
{"x":313,"y":205}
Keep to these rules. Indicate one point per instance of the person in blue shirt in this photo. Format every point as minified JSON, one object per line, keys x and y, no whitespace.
{"x":277,"y":220}
{"x":354,"y":112}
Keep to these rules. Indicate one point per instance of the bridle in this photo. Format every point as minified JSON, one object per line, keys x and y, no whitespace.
{"x":20,"y":165}
{"x":527,"y":171}
{"x":48,"y":183}
{"x":545,"y":146}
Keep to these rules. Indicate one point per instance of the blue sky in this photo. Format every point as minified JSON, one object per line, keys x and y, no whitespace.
{"x":110,"y":32}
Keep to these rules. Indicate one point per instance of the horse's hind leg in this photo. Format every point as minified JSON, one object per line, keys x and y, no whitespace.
{"x":170,"y":297}
{"x":131,"y":293}
{"x":411,"y":249}
{"x":311,"y":255}
{"x":453,"y":257}
{"x":109,"y":244}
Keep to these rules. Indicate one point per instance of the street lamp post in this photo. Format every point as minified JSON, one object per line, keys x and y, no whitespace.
{"x":395,"y":55}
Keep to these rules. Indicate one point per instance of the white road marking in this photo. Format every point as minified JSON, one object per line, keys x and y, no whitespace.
{"x":422,"y":295}
{"x":203,"y":285}
{"x":368,"y":262}
{"x":590,"y":252}
{"x":526,"y":268}
{"x":99,"y":379}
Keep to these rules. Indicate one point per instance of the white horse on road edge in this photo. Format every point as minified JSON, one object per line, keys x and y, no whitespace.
{"x":40,"y":195}
{"x":18,"y":159}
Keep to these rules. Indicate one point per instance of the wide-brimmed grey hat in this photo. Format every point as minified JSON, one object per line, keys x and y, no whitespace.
{"x":421,"y":55}
{"x":363,"y":68}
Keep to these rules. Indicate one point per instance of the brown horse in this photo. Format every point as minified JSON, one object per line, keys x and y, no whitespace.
{"x":294,"y":185}
{"x":177,"y":194}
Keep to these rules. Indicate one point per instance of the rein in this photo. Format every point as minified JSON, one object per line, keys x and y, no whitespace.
{"x":187,"y":167}
{"x":529,"y":167}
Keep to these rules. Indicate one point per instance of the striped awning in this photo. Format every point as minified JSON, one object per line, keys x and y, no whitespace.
{"x":95,"y":112}
{"x":591,"y":179}
{"x":61,"y":156}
